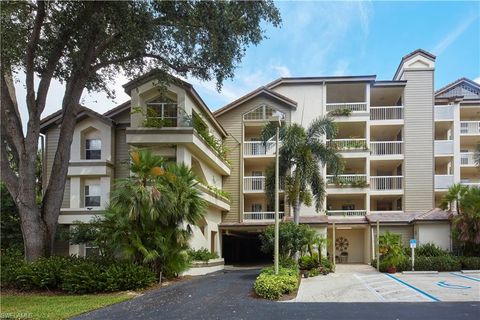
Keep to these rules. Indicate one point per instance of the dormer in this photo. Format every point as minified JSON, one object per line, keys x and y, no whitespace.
{"x":416,"y":60}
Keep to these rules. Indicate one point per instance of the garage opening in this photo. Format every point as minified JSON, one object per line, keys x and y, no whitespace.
{"x":243,"y":248}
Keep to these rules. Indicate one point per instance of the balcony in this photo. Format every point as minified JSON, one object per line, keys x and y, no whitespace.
{"x":261,"y":216}
{"x":443,"y":147}
{"x":256,"y":184}
{"x":467,"y":159}
{"x":352,"y":106}
{"x":347,"y":180}
{"x":348,"y":144}
{"x":259,"y":148}
{"x":386,"y":113}
{"x":346,"y":213}
{"x":469,"y":127}
{"x":443,"y":181}
{"x":471,"y":184}
{"x":443,"y":112}
{"x":386,"y":183}
{"x":385,"y":148}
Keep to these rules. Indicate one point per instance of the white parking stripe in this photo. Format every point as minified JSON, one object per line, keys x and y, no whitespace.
{"x":380,"y":298}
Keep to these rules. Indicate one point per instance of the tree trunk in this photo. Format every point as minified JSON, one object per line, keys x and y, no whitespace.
{"x":34,"y":233}
{"x":296,"y":211}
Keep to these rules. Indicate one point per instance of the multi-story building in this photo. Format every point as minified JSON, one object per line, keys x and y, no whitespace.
{"x":403,"y":145}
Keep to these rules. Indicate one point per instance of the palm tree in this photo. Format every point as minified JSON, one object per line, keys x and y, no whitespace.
{"x":467,"y":220}
{"x":302,"y":155}
{"x":477,"y":155}
{"x":147,"y":212}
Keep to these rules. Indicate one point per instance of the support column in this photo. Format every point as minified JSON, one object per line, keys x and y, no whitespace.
{"x":333,"y":245}
{"x":378,"y":245}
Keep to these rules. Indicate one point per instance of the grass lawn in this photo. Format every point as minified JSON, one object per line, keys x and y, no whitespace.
{"x":36,"y":306}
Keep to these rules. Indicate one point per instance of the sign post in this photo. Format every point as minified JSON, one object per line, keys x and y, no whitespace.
{"x":413,"y":245}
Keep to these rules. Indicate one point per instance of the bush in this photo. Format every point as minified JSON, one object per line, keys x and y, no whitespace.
{"x":271,"y":286}
{"x":441,"y":263}
{"x":288,"y":263}
{"x":470,"y":263}
{"x":201,"y":255}
{"x":308,"y":262}
{"x":430,"y":250}
{"x":73,"y":274}
{"x":326,"y":265}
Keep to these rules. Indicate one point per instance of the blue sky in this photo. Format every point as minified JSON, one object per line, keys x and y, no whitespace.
{"x":341,"y":38}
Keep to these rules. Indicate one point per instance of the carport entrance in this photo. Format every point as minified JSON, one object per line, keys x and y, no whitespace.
{"x":243,"y":248}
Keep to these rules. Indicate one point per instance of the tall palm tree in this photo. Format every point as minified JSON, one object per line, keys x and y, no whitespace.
{"x":477,"y":155}
{"x":302,"y":154}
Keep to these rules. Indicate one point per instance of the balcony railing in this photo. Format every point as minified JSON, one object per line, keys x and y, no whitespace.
{"x":467,"y":158}
{"x":386,"y":183}
{"x":259,"y":148}
{"x":382,"y":148}
{"x":346,"y":213}
{"x":443,"y":147}
{"x":386,"y":113}
{"x":348,"y":144}
{"x":443,"y":181}
{"x":351,"y":180}
{"x":352,"y":106}
{"x":443,"y":112}
{"x":258,"y":216}
{"x":471,"y":184}
{"x":469,"y":127}
{"x":254,"y":183}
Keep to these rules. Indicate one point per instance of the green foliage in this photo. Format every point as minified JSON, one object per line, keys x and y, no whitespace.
{"x":292,"y":238}
{"x":10,"y":232}
{"x":470,"y":263}
{"x":438,"y":263}
{"x":219,"y":192}
{"x":391,"y":249}
{"x":345,"y":112}
{"x":201,"y":255}
{"x":288,"y":262}
{"x":202,"y":129}
{"x":308,"y":262}
{"x":272,"y":287}
{"x":301,"y":154}
{"x":145,"y":218}
{"x":73,"y":274}
{"x":342,"y":182}
{"x":430,"y":250}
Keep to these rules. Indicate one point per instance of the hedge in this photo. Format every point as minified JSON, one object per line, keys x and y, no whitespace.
{"x":435,"y":263}
{"x":73,"y":274}
{"x":470,"y":263}
{"x":271,"y":286}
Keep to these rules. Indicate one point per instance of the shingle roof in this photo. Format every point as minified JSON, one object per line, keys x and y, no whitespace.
{"x":455,"y":83}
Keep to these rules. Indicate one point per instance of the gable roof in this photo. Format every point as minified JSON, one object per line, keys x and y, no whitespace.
{"x":460,"y":88}
{"x":421,"y":52}
{"x":434,"y":215}
{"x":84,"y":112}
{"x":118,"y":109}
{"x":255,"y":93}
{"x":152,"y":75}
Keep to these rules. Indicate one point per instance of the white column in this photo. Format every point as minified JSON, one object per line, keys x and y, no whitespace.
{"x":184,"y":156}
{"x":456,"y":143}
{"x":105,"y":185}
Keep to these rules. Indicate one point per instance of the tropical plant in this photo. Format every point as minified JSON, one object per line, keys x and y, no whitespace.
{"x":292,"y":239}
{"x":148,"y":211}
{"x":477,"y":155}
{"x":85,"y":45}
{"x":345,"y":112}
{"x":392,"y":250}
{"x":302,"y":155}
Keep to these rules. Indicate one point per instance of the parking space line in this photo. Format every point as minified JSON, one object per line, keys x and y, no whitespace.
{"x":412,"y":287}
{"x":372,"y":290}
{"x":466,"y":277}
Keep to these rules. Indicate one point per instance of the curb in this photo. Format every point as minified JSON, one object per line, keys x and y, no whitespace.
{"x":419,"y":272}
{"x":470,"y":271}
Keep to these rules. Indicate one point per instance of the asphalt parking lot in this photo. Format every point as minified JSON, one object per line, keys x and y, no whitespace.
{"x":361,"y":283}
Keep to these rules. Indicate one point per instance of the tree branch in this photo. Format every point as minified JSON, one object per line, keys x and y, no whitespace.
{"x":12,"y":124}
{"x":30,"y":58}
{"x":8,"y":176}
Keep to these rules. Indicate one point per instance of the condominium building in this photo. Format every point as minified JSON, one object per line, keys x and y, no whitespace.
{"x":403,"y":145}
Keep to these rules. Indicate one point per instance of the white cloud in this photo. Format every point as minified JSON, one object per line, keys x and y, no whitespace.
{"x":282,"y":71}
{"x":341,"y":68}
{"x":450,"y":38}
{"x":477,"y":80}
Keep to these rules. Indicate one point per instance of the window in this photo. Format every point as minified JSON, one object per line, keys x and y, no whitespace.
{"x":256,"y":207}
{"x":93,"y":149}
{"x":92,"y":195}
{"x":91,"y":250}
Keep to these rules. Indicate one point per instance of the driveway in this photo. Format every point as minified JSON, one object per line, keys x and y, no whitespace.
{"x":228,"y":295}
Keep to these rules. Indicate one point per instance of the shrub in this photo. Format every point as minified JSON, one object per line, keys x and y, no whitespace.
{"x":430,"y":250}
{"x":470,"y":263}
{"x":11,"y":262}
{"x":201,"y":255}
{"x":326,"y":265}
{"x":441,"y":263}
{"x":271,"y":286}
{"x":84,"y":277}
{"x":44,"y":273}
{"x":308,"y":262}
{"x":288,"y":262}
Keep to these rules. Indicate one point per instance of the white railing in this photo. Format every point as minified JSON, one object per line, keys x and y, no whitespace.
{"x":256,"y":216}
{"x":381,"y":148}
{"x":469,"y":127}
{"x":352,"y":106}
{"x":467,"y":158}
{"x":386,"y":183}
{"x":443,"y":147}
{"x":258,"y":148}
{"x":348,"y":144}
{"x":443,"y":181}
{"x":347,"y":179}
{"x":386,"y":113}
{"x":443,"y":112}
{"x":471,"y":184}
{"x":254,"y":183}
{"x":346,"y":213}
{"x":385,"y":211}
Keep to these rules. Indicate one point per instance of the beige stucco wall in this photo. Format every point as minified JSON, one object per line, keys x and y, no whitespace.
{"x":438,"y":233}
{"x":213,"y":217}
{"x":356,"y":248}
{"x":88,"y":129}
